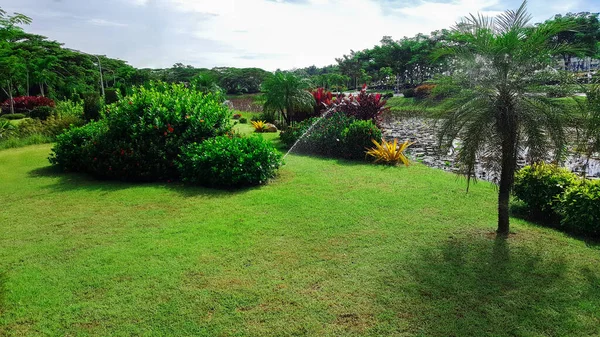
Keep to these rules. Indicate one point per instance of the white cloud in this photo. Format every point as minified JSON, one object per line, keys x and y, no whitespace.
{"x":269,"y":34}
{"x":106,"y":23}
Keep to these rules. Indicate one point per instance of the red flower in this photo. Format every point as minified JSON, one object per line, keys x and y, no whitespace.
{"x":130,"y":102}
{"x":170,"y":129}
{"x":122,"y":152}
{"x":165,"y":133}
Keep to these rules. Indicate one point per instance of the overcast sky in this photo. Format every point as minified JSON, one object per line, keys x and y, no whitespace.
{"x":269,"y":34}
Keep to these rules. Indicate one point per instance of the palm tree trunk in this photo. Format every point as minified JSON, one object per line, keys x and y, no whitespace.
{"x":507,"y":174}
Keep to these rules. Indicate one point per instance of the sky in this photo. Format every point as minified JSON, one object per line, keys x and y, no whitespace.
{"x":269,"y":34}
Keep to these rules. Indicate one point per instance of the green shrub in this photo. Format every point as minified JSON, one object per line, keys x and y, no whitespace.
{"x":409,"y":93}
{"x":145,"y":132}
{"x":75,"y":150}
{"x":54,"y":126}
{"x":243,"y":120}
{"x":388,"y":95}
{"x":325,"y":138}
{"x":293,"y":133}
{"x":540,"y":187}
{"x":580,"y":209}
{"x":92,"y":106}
{"x":69,"y":108}
{"x":229,"y":162}
{"x":14,"y":116}
{"x":29,"y":127}
{"x":357,"y":138}
{"x":42,"y":112}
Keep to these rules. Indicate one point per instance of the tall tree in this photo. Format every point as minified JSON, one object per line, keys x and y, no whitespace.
{"x":12,"y":65}
{"x":498,"y":118}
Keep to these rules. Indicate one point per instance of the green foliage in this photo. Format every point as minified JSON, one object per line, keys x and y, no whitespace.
{"x":51,"y":127}
{"x":357,"y":138}
{"x":580,"y":209}
{"x":502,"y":56}
{"x":337,"y":135}
{"x":6,"y":129}
{"x":293,"y":133}
{"x":287,"y":95}
{"x":541,"y":186}
{"x":76,"y":149}
{"x":92,"y":106}
{"x":144,"y":132}
{"x":243,"y":120}
{"x":69,"y":108}
{"x":42,"y":112}
{"x":14,"y":116}
{"x":229,"y":162}
{"x":110,"y":96}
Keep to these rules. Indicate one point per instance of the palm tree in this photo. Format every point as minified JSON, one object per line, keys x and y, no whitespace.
{"x":497,"y":117}
{"x":287,"y":94}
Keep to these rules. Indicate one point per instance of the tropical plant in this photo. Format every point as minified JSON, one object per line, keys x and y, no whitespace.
{"x":259,"y":126}
{"x":288,"y":95}
{"x":323,"y":100}
{"x":363,"y":106}
{"x":497,"y":117}
{"x":389,"y":153}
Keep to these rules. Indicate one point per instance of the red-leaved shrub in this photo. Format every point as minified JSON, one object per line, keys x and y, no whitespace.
{"x":363,"y":106}
{"x":323,"y":100}
{"x":29,"y":103}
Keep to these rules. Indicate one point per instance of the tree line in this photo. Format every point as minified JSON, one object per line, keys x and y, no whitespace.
{"x":31,"y":64}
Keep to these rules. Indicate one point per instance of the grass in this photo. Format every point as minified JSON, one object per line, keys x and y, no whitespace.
{"x":329,"y":248}
{"x":14,"y":142}
{"x":412,"y":107}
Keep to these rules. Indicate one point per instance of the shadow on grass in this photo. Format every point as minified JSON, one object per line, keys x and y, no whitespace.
{"x":482,"y":287}
{"x":78,"y":181}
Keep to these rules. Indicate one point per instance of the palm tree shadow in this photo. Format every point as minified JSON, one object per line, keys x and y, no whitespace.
{"x":64,"y":182}
{"x":479,"y":287}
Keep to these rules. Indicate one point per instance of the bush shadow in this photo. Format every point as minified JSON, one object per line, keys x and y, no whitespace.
{"x":69,"y":181}
{"x":482,"y":287}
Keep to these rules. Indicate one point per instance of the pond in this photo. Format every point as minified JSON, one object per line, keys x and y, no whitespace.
{"x":423,"y":132}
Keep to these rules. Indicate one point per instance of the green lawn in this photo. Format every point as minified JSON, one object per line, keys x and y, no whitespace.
{"x":330,"y":248}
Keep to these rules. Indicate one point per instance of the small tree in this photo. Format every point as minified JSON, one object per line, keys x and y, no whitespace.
{"x":287,"y":94}
{"x":497,"y":117}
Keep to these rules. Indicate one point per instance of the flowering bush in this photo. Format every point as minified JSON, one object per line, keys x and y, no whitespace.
{"x":143,"y":133}
{"x":229,"y":162}
{"x":363,"y":106}
{"x":28,"y":103}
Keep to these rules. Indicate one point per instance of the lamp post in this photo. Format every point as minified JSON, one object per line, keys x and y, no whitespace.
{"x":99,"y":66}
